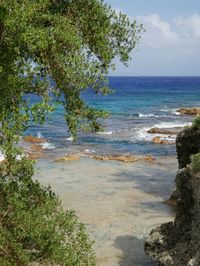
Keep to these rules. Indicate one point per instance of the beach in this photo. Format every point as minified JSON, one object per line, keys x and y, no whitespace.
{"x":118,"y":202}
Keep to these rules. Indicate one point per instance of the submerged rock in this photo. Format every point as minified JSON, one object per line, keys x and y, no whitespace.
{"x":189,"y":111}
{"x":119,"y":158}
{"x":36,"y":155}
{"x":67,"y":158}
{"x":125,"y":158}
{"x":178,"y":243}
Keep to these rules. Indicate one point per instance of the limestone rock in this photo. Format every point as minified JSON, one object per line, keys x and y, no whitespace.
{"x":178,"y":243}
{"x":189,"y":111}
{"x":165,"y":131}
{"x":33,"y":139}
{"x":120,"y":158}
{"x":159,"y":140}
{"x":36,"y":147}
{"x":35,"y":150}
{"x":125,"y":158}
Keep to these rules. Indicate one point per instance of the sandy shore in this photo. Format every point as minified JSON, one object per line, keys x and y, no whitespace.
{"x":120,"y":203}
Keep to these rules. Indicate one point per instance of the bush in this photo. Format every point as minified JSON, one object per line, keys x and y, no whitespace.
{"x":35,"y":228}
{"x":196,"y":123}
{"x":196,"y":163}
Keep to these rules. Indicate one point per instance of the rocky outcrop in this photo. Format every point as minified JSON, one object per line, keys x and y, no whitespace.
{"x":119,"y":158}
{"x":33,"y":139}
{"x":189,"y":111}
{"x":125,"y":158}
{"x":159,"y":140}
{"x":34,"y":148}
{"x":165,"y":131}
{"x":187,"y":143}
{"x":164,"y":136}
{"x":178,"y":243}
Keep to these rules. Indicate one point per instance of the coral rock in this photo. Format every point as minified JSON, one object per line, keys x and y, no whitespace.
{"x":165,"y":131}
{"x":159,"y":140}
{"x":33,"y":139}
{"x":125,"y":158}
{"x":189,"y":111}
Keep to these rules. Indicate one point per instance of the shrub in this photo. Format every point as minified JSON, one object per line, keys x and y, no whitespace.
{"x":196,"y":163}
{"x":35,"y":228}
{"x":196,"y":123}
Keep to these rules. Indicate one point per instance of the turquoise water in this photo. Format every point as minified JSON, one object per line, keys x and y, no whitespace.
{"x":138,"y":103}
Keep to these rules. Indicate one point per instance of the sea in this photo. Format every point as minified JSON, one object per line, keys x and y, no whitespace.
{"x":136,"y":105}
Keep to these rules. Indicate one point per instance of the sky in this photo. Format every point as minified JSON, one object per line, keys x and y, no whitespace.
{"x":170,"y":45}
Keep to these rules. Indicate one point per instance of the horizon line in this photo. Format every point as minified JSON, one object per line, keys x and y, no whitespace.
{"x":154,"y":76}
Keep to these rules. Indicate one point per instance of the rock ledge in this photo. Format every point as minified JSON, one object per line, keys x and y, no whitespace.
{"x":178,"y":243}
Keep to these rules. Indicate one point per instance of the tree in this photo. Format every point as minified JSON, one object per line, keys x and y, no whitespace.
{"x":71,"y":42}
{"x":68,"y":43}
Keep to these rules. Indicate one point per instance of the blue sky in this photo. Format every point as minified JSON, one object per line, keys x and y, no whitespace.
{"x":171,"y":44}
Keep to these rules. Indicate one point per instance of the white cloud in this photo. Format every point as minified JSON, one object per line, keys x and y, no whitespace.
{"x":188,"y":27}
{"x":167,"y":47}
{"x":181,"y":32}
{"x":158,"y":32}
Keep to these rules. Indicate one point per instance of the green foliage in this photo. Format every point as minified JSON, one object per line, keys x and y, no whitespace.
{"x":196,"y":123}
{"x":196,"y":163}
{"x":71,"y":44}
{"x":34,"y":227}
{"x":58,"y":39}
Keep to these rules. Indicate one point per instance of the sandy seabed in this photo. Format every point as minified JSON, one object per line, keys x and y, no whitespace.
{"x":119,"y":202}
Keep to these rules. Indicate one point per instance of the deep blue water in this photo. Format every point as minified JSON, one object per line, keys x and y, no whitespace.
{"x":137,"y":104}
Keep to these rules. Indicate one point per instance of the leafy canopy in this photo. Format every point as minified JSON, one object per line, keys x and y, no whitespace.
{"x":35,"y":228}
{"x":196,"y":123}
{"x":71,"y":43}
{"x":196,"y":163}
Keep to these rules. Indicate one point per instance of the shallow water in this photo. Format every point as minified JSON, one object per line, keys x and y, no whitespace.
{"x":119,"y":203}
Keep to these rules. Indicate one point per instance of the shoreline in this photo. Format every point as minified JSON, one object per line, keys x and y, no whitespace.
{"x":119,"y":203}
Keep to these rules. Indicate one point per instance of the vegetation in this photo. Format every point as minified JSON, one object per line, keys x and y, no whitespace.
{"x":34,"y":227}
{"x":47,"y":42}
{"x":58,"y":39}
{"x":196,"y":163}
{"x":196,"y":123}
